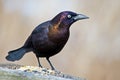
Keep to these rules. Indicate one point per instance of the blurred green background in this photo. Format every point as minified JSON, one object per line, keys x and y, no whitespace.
{"x":93,"y":49}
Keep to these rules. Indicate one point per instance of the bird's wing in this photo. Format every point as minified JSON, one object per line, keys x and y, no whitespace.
{"x":41,"y":28}
{"x":28,"y":43}
{"x":39,"y":31}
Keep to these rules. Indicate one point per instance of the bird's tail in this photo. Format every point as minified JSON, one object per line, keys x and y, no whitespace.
{"x":16,"y":54}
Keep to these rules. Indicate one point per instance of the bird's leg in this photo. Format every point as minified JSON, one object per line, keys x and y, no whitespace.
{"x":50,"y":63}
{"x":39,"y":62}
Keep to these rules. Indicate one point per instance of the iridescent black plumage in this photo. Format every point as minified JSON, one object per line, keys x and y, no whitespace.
{"x":48,"y":38}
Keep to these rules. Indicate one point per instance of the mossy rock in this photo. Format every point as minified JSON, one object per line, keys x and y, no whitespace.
{"x":18,"y":72}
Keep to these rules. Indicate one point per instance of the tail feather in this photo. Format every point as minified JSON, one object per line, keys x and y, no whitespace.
{"x":16,"y":54}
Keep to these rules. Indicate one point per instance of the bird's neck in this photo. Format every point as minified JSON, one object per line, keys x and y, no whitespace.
{"x":58,"y":33}
{"x":58,"y":30}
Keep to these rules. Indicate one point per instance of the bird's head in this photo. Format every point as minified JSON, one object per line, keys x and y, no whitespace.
{"x":66,"y":18}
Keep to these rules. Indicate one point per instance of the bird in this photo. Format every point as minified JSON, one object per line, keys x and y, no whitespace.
{"x":48,"y":38}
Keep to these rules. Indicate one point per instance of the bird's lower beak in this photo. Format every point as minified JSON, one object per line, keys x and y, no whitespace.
{"x":80,"y":17}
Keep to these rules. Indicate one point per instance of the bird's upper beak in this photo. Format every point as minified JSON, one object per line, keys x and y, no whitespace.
{"x":80,"y":17}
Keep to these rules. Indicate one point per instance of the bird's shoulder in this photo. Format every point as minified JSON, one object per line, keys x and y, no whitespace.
{"x":43,"y":27}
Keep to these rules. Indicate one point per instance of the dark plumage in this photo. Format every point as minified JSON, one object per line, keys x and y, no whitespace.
{"x":48,"y":38}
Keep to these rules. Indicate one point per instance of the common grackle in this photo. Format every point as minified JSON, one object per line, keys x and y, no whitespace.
{"x":48,"y":38}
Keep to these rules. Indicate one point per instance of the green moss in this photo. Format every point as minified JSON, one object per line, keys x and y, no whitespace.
{"x":10,"y":76}
{"x":15,"y":74}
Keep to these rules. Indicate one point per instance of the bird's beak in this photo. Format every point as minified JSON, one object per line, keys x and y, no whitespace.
{"x":80,"y":17}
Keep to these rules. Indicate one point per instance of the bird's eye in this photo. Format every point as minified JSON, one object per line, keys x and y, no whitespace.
{"x":69,"y":16}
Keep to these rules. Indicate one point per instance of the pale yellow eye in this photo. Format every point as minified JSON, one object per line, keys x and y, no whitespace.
{"x":69,"y":16}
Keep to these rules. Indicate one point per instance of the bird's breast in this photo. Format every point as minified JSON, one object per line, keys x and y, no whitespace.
{"x":50,"y":42}
{"x":58,"y":36}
